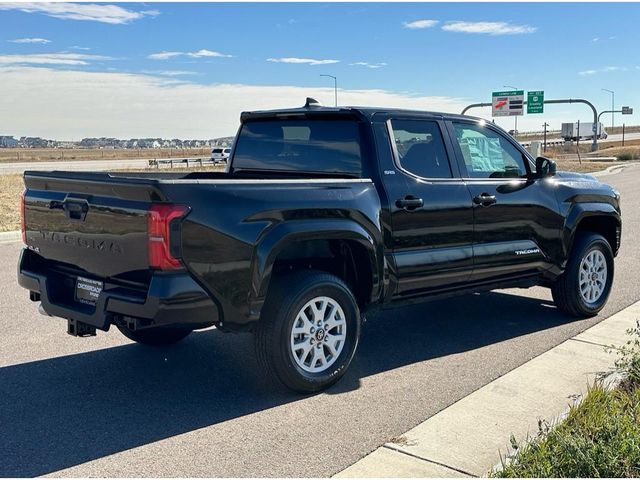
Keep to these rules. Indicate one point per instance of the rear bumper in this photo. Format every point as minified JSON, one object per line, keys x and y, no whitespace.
{"x":170,"y":300}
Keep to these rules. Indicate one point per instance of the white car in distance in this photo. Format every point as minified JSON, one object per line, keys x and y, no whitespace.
{"x":219,"y":155}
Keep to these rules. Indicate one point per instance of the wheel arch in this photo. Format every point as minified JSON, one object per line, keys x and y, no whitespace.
{"x":602,"y":219}
{"x":341,"y":247}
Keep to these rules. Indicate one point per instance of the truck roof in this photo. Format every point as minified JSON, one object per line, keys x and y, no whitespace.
{"x":313,"y":107}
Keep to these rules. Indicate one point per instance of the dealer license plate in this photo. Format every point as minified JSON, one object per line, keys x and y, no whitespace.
{"x":87,"y":290}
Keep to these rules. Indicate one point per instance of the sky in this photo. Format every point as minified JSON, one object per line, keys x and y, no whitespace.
{"x":74,"y":70}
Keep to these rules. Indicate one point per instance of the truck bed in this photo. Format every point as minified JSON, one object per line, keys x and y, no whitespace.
{"x":97,"y":224}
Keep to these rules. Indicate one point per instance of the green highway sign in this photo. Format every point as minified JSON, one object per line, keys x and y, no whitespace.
{"x":535,"y":102}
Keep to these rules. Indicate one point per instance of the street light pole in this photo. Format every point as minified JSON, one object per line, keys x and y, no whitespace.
{"x":545,"y":125}
{"x":335,"y":86}
{"x":515,"y":127}
{"x":613,"y":103}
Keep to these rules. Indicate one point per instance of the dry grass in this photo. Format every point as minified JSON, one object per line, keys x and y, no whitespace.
{"x":44,"y":154}
{"x":585,"y":166}
{"x":604,"y":149}
{"x":11,"y":186}
{"x":624,"y":153}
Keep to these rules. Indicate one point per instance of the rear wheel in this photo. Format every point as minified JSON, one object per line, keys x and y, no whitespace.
{"x":309,"y":330}
{"x":156,"y":336}
{"x":584,"y":287}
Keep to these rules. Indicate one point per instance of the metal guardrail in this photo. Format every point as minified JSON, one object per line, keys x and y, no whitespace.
{"x":549,"y":143}
{"x":187,"y":162}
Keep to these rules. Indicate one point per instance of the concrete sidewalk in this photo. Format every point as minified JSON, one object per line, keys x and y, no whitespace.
{"x":468,"y":437}
{"x":10,"y":237}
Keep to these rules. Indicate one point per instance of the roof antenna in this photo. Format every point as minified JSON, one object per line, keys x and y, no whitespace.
{"x":312,"y":102}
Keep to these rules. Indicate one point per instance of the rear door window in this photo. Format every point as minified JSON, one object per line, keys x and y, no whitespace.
{"x":306,"y":145}
{"x":420,"y":148}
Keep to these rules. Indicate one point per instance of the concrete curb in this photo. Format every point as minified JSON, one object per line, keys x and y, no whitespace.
{"x":468,"y":437}
{"x":614,"y":169}
{"x":10,"y":237}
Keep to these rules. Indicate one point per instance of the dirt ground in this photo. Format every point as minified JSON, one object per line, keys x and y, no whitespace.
{"x":10,"y":188}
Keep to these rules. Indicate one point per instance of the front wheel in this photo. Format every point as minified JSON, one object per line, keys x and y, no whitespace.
{"x":309,"y":330}
{"x":584,"y":287}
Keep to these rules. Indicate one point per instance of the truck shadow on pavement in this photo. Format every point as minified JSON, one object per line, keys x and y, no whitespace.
{"x":65,"y":411}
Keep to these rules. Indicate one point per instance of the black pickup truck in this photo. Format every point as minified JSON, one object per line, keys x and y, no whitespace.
{"x":323,"y":215}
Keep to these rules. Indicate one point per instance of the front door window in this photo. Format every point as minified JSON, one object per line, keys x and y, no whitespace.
{"x":487,"y":154}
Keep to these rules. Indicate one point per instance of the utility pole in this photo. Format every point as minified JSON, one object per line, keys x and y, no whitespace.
{"x":335,"y":86}
{"x":545,"y":125}
{"x":515,"y":128}
{"x":613,"y":104}
{"x":578,"y":143}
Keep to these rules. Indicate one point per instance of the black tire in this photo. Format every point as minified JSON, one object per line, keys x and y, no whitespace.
{"x":273,"y":335}
{"x":566,"y":289}
{"x":156,"y":336}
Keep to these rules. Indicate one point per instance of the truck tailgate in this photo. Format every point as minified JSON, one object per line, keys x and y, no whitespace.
{"x":92,"y":221}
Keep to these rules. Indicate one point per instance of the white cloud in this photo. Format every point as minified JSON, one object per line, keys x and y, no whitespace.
{"x":76,"y":47}
{"x":169,"y":73}
{"x":30,"y":40}
{"x":50,"y":59}
{"x":419,"y":24}
{"x":598,"y":39}
{"x":369,"y":65}
{"x":164,"y":55}
{"x":608,"y":69}
{"x":198,"y":54}
{"x":113,"y":14}
{"x":488,"y":28}
{"x":308,"y":61}
{"x":70,"y":104}
{"x":208,"y":53}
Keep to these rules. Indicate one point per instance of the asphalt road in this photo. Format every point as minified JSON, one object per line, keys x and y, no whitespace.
{"x":103,"y":406}
{"x":617,"y":137}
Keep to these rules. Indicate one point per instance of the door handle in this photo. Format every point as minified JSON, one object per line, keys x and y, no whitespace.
{"x":484,"y":199}
{"x":409,"y":202}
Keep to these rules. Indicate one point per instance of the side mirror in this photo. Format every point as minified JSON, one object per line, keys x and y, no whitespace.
{"x":545,"y":167}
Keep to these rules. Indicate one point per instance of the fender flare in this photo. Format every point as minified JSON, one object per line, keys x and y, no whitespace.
{"x":285,"y":234}
{"x":578,"y":213}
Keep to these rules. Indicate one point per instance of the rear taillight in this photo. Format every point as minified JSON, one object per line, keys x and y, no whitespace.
{"x":163,"y":229}
{"x":23,"y":228}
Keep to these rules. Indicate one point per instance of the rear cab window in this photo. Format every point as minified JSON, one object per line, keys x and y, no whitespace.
{"x":323,"y":145}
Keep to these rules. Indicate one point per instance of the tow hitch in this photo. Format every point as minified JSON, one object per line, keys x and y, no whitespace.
{"x":79,"y":329}
{"x":74,"y":328}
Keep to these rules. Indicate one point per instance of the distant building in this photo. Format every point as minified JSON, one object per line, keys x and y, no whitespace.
{"x":8,"y":141}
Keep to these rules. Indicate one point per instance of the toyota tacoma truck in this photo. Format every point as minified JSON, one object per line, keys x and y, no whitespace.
{"x":322,"y":216}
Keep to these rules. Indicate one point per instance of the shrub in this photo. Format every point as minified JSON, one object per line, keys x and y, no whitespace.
{"x":599,"y":438}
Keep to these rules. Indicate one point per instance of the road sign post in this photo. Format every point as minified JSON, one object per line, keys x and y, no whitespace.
{"x":535,"y":102}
